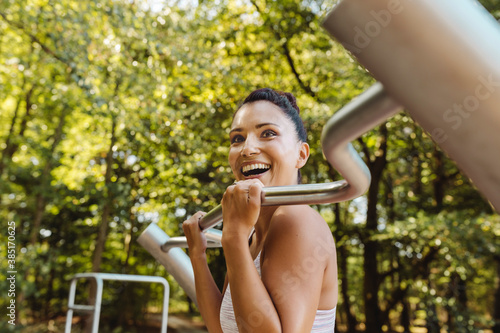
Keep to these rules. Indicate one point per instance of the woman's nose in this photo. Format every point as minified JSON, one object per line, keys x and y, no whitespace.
{"x":250,"y":147}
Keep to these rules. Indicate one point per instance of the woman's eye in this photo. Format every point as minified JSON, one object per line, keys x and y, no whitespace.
{"x":268,"y":133}
{"x":237,"y":139}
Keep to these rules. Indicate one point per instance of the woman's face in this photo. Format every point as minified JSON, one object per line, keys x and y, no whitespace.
{"x":264,"y":145}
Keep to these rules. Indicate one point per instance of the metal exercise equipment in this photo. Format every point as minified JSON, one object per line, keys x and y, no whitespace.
{"x":96,"y":308}
{"x":438,"y":59}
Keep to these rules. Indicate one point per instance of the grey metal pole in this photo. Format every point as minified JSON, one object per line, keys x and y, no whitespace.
{"x":71,"y":304}
{"x":175,"y":261}
{"x":365,"y":112}
{"x":97,"y":306}
{"x":440,"y":59}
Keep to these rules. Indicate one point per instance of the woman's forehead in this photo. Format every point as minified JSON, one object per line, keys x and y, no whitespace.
{"x":260,"y":112}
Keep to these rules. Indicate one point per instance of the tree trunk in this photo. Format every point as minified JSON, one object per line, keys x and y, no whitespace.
{"x":343,"y":273}
{"x":440,"y":180}
{"x":371,"y":280}
{"x":431,"y":320}
{"x":390,"y":200}
{"x":405,"y":318}
{"x":8,"y":141}
{"x":128,"y":241}
{"x":45,"y":179}
{"x":50,"y":293}
{"x":101,"y":237}
{"x":40,"y":202}
{"x":106,"y":210}
{"x":351,"y":318}
{"x":103,"y":226}
{"x":496,"y":310}
{"x":10,"y":144}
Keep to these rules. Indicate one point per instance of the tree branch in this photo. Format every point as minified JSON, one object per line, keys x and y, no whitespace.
{"x":291,"y":63}
{"x":35,"y":39}
{"x":366,"y":152}
{"x":287,"y":54}
{"x":419,"y":268}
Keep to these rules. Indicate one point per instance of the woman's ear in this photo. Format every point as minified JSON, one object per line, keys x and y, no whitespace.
{"x":303,"y":155}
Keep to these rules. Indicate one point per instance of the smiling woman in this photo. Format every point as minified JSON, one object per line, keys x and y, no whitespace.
{"x":268,"y":127}
{"x":287,"y":104}
{"x":281,"y":261}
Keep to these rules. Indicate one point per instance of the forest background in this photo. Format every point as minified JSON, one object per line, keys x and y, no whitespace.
{"x":115,"y":114}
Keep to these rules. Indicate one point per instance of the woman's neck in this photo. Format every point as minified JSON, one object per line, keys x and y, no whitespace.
{"x":263,"y":223}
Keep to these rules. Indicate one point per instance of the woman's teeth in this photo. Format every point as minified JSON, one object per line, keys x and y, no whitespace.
{"x":253,"y":169}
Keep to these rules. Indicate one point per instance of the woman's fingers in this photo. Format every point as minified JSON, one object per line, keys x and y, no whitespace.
{"x":245,"y":189}
{"x":193,"y":220}
{"x":195,"y":237}
{"x":254,"y":193}
{"x":241,"y":206}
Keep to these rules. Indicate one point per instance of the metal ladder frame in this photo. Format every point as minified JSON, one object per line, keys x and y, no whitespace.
{"x":96,"y":308}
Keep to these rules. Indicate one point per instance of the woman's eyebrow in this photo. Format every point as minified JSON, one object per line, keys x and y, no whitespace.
{"x":239,"y":129}
{"x":266,"y":124}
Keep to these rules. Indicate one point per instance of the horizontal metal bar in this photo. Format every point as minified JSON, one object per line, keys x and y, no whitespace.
{"x":213,"y":236}
{"x":286,"y":195}
{"x":272,"y":196}
{"x":181,"y":241}
{"x":122,"y":277}
{"x":82,"y":308}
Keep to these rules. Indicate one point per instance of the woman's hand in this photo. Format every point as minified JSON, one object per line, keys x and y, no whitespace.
{"x":241,"y":208}
{"x":197,"y":242}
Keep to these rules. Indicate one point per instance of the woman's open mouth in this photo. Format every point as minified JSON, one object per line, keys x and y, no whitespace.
{"x":250,"y":170}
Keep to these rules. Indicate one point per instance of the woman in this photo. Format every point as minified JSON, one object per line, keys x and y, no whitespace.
{"x":281,"y":261}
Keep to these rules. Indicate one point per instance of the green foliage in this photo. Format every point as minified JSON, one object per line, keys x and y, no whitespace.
{"x":115,"y":113}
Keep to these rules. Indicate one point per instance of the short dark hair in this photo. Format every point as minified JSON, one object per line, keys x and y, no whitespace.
{"x":287,"y":103}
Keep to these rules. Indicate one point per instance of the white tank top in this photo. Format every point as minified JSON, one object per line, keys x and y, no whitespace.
{"x":324,"y":322}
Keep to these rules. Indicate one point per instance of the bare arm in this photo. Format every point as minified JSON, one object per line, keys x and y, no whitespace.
{"x":298,"y":249}
{"x":208,"y":294}
{"x":248,"y":292}
{"x":253,"y":307}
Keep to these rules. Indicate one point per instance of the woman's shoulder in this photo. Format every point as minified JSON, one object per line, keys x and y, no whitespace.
{"x":297,"y":216}
{"x":298,"y":223}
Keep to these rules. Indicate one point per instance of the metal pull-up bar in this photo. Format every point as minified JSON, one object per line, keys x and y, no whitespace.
{"x":365,"y":112}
